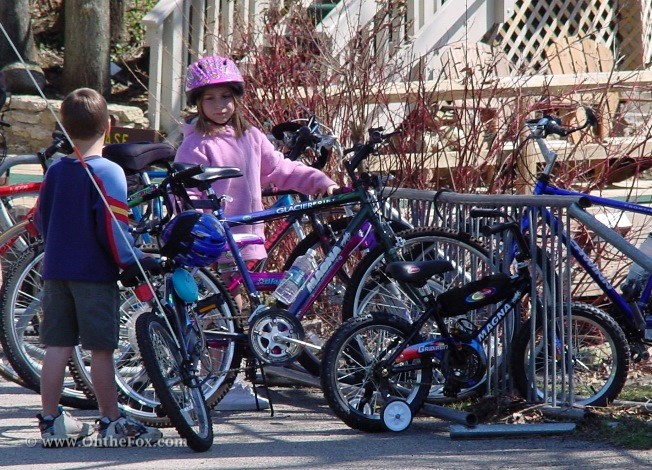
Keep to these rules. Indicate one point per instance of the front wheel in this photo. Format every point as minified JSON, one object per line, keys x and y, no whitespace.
{"x":355,"y":387}
{"x":598,"y":355}
{"x":177,"y":386}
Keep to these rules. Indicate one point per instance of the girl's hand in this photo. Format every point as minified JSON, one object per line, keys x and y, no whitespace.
{"x":328,"y":192}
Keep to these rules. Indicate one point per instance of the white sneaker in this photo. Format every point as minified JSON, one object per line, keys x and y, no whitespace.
{"x":63,"y":430}
{"x":125,"y":431}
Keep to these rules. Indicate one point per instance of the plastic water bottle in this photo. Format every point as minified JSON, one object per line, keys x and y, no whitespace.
{"x":637,"y":275}
{"x":296,"y":276}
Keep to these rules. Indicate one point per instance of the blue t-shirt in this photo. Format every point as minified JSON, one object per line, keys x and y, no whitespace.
{"x":82,"y":240}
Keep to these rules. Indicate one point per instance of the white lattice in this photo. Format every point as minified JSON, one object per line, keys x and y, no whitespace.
{"x":535,"y":25}
{"x":647,"y":33}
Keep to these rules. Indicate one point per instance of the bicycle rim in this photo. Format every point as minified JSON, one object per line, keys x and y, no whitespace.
{"x":354,"y":387}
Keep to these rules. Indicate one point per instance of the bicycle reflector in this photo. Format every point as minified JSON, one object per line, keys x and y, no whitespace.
{"x":143,"y":292}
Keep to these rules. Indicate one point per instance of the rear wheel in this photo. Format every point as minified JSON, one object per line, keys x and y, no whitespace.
{"x":598,"y":359}
{"x":20,"y":324}
{"x":179,"y":387}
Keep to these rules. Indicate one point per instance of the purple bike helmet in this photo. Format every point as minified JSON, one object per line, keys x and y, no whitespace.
{"x":194,"y":239}
{"x":212,"y":70}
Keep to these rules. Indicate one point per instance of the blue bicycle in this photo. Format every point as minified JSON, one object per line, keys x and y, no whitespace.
{"x":630,"y":308}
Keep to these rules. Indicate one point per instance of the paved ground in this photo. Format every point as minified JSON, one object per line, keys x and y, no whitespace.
{"x":303,"y":434}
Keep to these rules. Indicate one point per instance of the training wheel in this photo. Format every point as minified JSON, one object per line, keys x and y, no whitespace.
{"x":397,"y":415}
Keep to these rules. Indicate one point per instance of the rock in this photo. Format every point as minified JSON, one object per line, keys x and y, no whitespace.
{"x":18,"y":81}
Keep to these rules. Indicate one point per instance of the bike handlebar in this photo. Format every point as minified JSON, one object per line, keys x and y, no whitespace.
{"x":552,"y":124}
{"x":510,"y":225}
{"x":362,"y":151}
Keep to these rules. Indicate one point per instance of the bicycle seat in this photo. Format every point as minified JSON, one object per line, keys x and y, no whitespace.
{"x":136,"y":156}
{"x":417,"y":272}
{"x":210,"y":175}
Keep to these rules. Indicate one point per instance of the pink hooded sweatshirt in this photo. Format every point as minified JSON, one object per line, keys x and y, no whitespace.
{"x":261,"y":166}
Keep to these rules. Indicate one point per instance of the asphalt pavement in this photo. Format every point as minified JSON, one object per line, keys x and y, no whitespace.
{"x":302,"y":434}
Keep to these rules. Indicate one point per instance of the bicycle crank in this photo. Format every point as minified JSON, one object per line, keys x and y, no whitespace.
{"x":276,"y":336}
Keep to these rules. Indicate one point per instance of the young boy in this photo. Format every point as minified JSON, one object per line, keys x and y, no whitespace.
{"x":84,"y":250}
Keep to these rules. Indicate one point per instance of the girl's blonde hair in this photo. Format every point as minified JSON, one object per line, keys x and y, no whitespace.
{"x":207,"y":127}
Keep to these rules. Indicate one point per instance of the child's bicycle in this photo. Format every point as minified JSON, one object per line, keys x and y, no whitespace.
{"x":378,"y":369}
{"x":170,"y":334}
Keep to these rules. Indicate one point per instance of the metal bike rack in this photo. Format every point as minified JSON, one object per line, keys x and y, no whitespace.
{"x":451,"y":210}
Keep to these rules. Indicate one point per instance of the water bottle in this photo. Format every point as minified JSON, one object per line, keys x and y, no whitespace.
{"x":296,"y":276}
{"x":637,"y":275}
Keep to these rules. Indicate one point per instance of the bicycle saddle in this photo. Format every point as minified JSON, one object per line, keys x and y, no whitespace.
{"x":210,"y":175}
{"x":417,"y":272}
{"x":137,"y":156}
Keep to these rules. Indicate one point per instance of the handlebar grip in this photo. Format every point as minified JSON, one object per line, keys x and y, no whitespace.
{"x":552,"y":127}
{"x":342,"y":190}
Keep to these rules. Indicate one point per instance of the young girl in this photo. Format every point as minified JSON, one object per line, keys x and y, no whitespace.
{"x":220,"y":136}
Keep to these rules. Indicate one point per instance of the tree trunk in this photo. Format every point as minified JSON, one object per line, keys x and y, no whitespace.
{"x":15,"y":17}
{"x":87,"y":45}
{"x":118,"y":29}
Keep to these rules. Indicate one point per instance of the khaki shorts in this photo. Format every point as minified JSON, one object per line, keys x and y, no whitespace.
{"x":80,"y":312}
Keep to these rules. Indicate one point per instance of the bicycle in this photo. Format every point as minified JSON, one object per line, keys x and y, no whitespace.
{"x":629,"y":308}
{"x":20,"y":317}
{"x":378,"y":369}
{"x":260,"y":345}
{"x":17,"y":236}
{"x":171,"y":334}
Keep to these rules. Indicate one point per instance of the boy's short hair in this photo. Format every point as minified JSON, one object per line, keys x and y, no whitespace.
{"x":84,"y":114}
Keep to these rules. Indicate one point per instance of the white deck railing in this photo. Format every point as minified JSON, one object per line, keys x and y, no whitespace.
{"x":178,"y":31}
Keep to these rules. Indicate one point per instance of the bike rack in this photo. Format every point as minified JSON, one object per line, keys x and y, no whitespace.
{"x":451,"y":210}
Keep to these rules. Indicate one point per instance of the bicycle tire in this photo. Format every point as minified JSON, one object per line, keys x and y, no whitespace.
{"x":371,"y":290}
{"x":183,"y":403}
{"x":12,"y":242}
{"x":353,"y":389}
{"x":19,"y":322}
{"x":600,"y":357}
{"x":136,"y":395}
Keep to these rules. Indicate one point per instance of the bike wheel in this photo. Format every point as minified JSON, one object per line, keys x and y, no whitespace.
{"x":599,"y":358}
{"x":19,"y":324}
{"x":355,"y":388}
{"x":136,"y":393}
{"x":372,"y":290}
{"x":178,"y":387}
